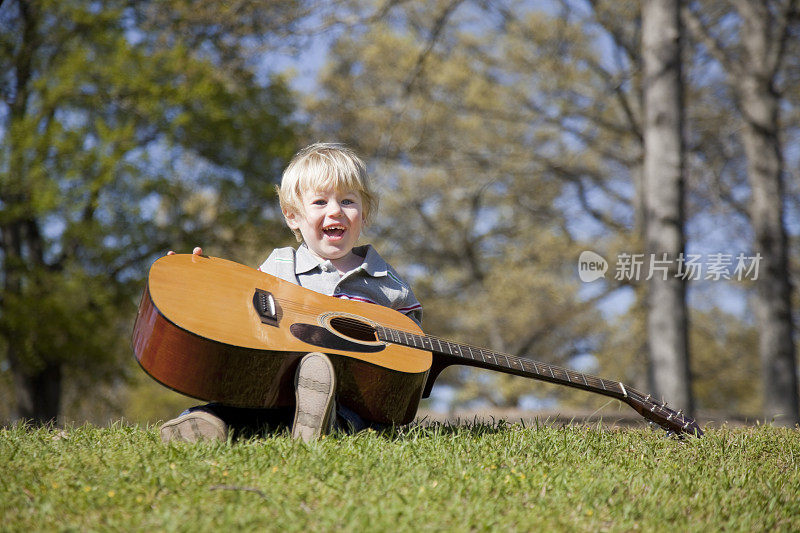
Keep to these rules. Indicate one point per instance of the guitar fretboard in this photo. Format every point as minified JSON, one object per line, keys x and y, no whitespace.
{"x":512,"y":364}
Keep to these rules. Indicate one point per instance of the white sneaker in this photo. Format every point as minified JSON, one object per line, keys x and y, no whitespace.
{"x":194,"y":426}
{"x":314,"y":386}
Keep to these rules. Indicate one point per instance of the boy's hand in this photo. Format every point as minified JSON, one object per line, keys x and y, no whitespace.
{"x":197,"y":251}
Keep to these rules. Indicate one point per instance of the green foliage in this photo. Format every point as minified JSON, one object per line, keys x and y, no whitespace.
{"x":503,"y":478}
{"x":123,"y":137}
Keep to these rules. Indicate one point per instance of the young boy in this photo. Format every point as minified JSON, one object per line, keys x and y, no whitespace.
{"x":326,"y":199}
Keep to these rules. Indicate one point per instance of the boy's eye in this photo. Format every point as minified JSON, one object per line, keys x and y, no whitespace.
{"x":319,"y":202}
{"x":347,"y":201}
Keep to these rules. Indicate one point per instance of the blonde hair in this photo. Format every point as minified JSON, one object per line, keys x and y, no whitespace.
{"x":323,"y":166}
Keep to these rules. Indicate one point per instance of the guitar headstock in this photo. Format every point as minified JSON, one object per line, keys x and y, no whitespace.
{"x":658,"y":412}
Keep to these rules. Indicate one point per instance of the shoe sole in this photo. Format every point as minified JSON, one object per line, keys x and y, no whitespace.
{"x":194,"y":427}
{"x":315,"y":384}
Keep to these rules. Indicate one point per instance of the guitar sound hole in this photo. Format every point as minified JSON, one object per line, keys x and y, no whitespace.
{"x":350,"y":327}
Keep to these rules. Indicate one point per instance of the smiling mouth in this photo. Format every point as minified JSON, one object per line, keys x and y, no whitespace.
{"x":334,"y":231}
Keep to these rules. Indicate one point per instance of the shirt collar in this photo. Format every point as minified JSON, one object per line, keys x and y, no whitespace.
{"x":304,"y":260}
{"x":373,"y":264}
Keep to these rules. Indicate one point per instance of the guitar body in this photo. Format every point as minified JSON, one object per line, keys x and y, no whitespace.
{"x":220,"y":331}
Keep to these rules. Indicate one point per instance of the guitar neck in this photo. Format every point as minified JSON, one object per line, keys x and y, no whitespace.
{"x":456,"y":353}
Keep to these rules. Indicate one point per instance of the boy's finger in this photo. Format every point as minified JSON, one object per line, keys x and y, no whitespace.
{"x":197,"y":251}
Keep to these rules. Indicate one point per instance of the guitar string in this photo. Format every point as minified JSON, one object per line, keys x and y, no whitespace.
{"x":556,"y":371}
{"x":520,"y":363}
{"x":360,"y":327}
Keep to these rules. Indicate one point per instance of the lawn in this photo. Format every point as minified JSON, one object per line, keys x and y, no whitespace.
{"x":455,"y":478}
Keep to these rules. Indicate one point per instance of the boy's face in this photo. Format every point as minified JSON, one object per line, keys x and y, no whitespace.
{"x":330,"y":222}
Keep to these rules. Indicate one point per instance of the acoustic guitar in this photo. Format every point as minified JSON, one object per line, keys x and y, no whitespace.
{"x":220,"y":331}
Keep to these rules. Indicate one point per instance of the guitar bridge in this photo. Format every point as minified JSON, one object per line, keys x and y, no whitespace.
{"x":265,"y":306}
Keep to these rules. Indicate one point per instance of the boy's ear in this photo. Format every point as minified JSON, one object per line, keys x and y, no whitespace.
{"x":292,"y":219}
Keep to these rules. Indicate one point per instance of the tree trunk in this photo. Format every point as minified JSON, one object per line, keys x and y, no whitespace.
{"x":663,"y":180}
{"x":759,"y":102}
{"x":38,"y":394}
{"x":37,"y":387}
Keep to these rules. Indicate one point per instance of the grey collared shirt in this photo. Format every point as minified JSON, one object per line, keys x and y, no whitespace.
{"x":373,"y":281}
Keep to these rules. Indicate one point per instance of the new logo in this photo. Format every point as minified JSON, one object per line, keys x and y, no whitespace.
{"x":591,"y":266}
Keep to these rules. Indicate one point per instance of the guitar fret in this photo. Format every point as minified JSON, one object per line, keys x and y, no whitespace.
{"x":590,"y":379}
{"x":471,"y":353}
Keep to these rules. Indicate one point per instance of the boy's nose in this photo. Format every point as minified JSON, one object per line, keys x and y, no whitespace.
{"x":334,"y":208}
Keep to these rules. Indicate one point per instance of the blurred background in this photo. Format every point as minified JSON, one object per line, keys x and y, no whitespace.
{"x":505,"y":137}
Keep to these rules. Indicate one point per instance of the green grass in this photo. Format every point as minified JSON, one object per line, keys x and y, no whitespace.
{"x":475,"y":477}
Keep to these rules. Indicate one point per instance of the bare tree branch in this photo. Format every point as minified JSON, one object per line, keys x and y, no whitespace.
{"x":702,"y":33}
{"x":436,"y":31}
